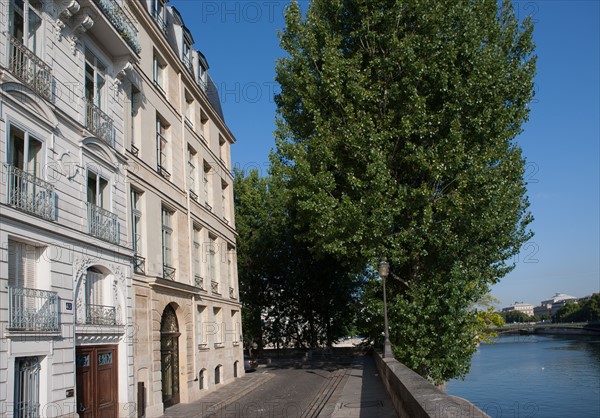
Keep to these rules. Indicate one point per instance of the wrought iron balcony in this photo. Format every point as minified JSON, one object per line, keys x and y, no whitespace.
{"x":187,"y":62}
{"x":29,"y":193}
{"x":163,"y":172}
{"x":100,"y":315}
{"x":30,"y":69}
{"x":214,"y":286}
{"x":99,"y":123}
{"x":102,"y":223}
{"x":193,"y":195}
{"x":135,"y":150}
{"x":168,"y":272}
{"x":160,"y":21}
{"x":231,"y":293}
{"x":139,"y":264}
{"x":32,"y":309}
{"x":199,"y":282}
{"x":201,"y":83}
{"x":121,"y":22}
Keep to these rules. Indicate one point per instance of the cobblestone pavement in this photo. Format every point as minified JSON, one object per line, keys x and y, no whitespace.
{"x":308,"y":387}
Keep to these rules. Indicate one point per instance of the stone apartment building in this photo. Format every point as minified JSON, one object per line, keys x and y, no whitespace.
{"x":118,"y":281}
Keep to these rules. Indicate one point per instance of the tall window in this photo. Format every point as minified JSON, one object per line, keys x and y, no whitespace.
{"x":97,"y":190}
{"x":218,"y":322}
{"x":26,"y":23}
{"x":201,"y":337}
{"x":25,"y":151}
{"x":207,"y":184}
{"x":167,"y":244}
{"x":136,"y":231}
{"x":162,"y":148}
{"x":222,"y":150}
{"x":224,"y":201}
{"x":158,"y":13}
{"x":27,"y":387}
{"x":94,"y":80}
{"x":159,"y":69}
{"x":211,"y":261}
{"x":22,"y":262}
{"x":187,"y":54}
{"x":189,"y":109}
{"x":231,"y":270}
{"x":196,"y":248}
{"x":136,"y":101}
{"x":192,"y":172}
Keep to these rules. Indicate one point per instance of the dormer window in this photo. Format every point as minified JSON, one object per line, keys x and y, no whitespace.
{"x":202,"y":76}
{"x":187,"y":55}
{"x":158,"y":13}
{"x":159,"y":69}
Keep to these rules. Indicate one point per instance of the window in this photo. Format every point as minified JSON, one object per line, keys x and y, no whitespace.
{"x":210,"y":265}
{"x":218,"y":374}
{"x":97,"y":190}
{"x":25,"y":151}
{"x":158,"y":13}
{"x":201,"y":335}
{"x":218,"y":325}
{"x":167,"y":244}
{"x":159,"y":70}
{"x":94,"y":80}
{"x":27,"y":387}
{"x":206,"y":181}
{"x":231,"y":270}
{"x":189,"y":109}
{"x":202,"y":76}
{"x":224,"y":201}
{"x":235,"y":324}
{"x":162,"y":148}
{"x":26,"y":23}
{"x":223,"y":150}
{"x":196,"y":246}
{"x":203,"y":122}
{"x":136,"y":102}
{"x":136,"y":232}
{"x":191,"y":157}
{"x":22,"y":262}
{"x":187,"y":54}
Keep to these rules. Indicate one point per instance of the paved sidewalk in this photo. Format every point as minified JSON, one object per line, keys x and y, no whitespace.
{"x":362,"y":394}
{"x":211,"y":404}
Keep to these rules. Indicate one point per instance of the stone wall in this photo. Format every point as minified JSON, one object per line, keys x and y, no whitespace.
{"x":415,"y":397}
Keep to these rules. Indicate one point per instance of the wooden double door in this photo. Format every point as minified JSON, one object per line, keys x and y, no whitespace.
{"x":97,"y":381}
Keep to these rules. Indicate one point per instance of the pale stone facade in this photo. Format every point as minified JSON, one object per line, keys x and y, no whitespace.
{"x":182,"y":203}
{"x":87,"y":187}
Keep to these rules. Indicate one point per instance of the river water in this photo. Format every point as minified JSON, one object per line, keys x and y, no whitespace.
{"x":534,"y":376}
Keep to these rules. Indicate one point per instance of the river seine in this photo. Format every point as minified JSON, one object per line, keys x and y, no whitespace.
{"x":534,"y":376}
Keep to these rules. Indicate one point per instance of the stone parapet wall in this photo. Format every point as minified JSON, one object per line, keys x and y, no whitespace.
{"x":415,"y":397}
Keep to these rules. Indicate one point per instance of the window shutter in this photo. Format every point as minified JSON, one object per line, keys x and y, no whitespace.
{"x":94,"y":287}
{"x":22,"y":261}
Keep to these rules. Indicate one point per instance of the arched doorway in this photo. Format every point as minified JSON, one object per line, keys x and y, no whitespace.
{"x":169,"y":353}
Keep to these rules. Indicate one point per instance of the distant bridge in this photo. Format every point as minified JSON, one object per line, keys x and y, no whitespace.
{"x":533,"y":327}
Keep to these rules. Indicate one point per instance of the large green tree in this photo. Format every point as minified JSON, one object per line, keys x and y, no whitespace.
{"x":396,"y":135}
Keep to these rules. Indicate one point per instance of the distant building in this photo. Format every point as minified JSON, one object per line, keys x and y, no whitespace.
{"x":553,"y":304}
{"x":526,"y":308}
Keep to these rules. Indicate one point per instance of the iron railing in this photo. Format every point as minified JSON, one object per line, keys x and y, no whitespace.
{"x":201,"y":83}
{"x":30,"y":69}
{"x":214,"y":287}
{"x":121,"y":22}
{"x":139,"y":264}
{"x":231,"y":293}
{"x":31,"y":194}
{"x":168,"y":272}
{"x":99,"y":123}
{"x":102,"y":223}
{"x":187,"y":62}
{"x":32,"y":309}
{"x":135,"y":150}
{"x":100,"y":315}
{"x":160,"y":21}
{"x":199,"y":282}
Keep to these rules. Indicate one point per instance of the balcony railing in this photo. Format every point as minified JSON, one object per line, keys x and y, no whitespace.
{"x":199,"y":282}
{"x":231,"y":293}
{"x":100,"y":315}
{"x":160,"y":21}
{"x":201,"y":83}
{"x":102,"y":223}
{"x":188,"y":64}
{"x":30,"y":69}
{"x":31,"y":194}
{"x":214,"y":287}
{"x":168,"y":272}
{"x":32,"y":309}
{"x":163,"y":172}
{"x":139,"y":264}
{"x":135,"y":150}
{"x":119,"y":19}
{"x":99,"y":123}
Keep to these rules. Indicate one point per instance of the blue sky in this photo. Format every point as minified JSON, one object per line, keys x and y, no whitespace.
{"x":560,"y":142}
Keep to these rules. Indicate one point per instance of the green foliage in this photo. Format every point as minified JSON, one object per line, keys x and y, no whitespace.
{"x":290,"y":298}
{"x":395,"y":136}
{"x":511,"y":317}
{"x":588,"y":310}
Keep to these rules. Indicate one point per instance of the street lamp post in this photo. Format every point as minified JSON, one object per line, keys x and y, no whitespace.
{"x":384,"y":271}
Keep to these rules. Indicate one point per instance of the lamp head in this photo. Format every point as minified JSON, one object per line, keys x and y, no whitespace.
{"x":384,"y":268}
